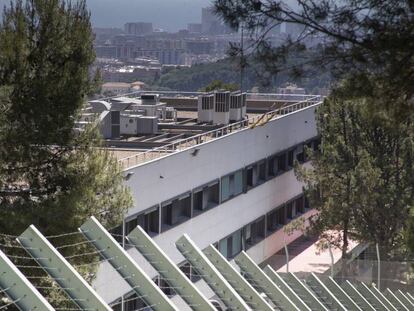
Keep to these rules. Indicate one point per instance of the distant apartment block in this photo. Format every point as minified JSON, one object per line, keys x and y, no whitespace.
{"x":106,"y":51}
{"x":211,"y":24}
{"x":138,"y":28}
{"x":194,"y":28}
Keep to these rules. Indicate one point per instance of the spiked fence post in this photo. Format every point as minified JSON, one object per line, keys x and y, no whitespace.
{"x":210,"y":274}
{"x":15,"y":285}
{"x":303,"y":291}
{"x":60,"y":270}
{"x":168,"y":270}
{"x":263,"y":282}
{"x":278,"y":280}
{"x":240,"y":284}
{"x":122,"y":262}
{"x":356,"y":295}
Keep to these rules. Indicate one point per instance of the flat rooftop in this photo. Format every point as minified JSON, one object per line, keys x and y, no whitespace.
{"x":186,"y":133}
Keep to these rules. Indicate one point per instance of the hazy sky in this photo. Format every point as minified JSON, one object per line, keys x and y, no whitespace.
{"x":170,"y":15}
{"x":167,"y":14}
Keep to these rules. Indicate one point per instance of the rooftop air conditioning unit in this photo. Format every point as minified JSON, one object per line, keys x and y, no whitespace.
{"x":205,"y":108}
{"x":170,"y":114}
{"x":237,"y":106}
{"x":150,"y":99}
{"x":147,"y":125}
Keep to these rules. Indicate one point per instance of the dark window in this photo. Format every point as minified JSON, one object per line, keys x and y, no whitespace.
{"x":117,"y":233}
{"x":290,"y":210}
{"x":281,"y":215}
{"x":164,"y":286}
{"x":131,"y":303}
{"x":272,"y":221}
{"x":306,"y":203}
{"x":290,"y":158}
{"x":232,"y":245}
{"x":148,"y":220}
{"x":262,"y":171}
{"x":276,"y":218}
{"x":254,"y":232}
{"x":231,"y":185}
{"x":130,"y":225}
{"x":190,"y":272}
{"x":300,"y":154}
{"x":300,"y":206}
{"x":272,"y":166}
{"x":176,"y":212}
{"x":206,"y":197}
{"x":249,"y":177}
{"x":281,"y":162}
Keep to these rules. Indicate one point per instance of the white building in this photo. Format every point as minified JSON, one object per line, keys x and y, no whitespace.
{"x":234,"y":190}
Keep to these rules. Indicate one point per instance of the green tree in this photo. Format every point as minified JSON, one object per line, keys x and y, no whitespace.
{"x":217,"y":85}
{"x":51,"y":175}
{"x":368,"y":41}
{"x":361,"y":178}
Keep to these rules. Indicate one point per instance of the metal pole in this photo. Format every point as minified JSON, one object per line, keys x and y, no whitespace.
{"x":379,"y":267}
{"x":332,"y":259}
{"x":287,"y":254}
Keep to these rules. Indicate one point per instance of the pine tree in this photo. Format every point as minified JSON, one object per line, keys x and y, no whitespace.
{"x":361,"y":181}
{"x":50,"y":175}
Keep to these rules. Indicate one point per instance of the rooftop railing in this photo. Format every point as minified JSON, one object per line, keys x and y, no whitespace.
{"x":187,"y":143}
{"x":250,"y":96}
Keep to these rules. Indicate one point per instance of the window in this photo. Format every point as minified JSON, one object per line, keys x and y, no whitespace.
{"x":306,"y":203}
{"x":131,"y":303}
{"x":254,"y":232}
{"x":290,"y":158}
{"x":148,"y":220}
{"x":231,"y":185}
{"x":281,"y":162}
{"x":300,"y":154}
{"x":176,"y":211}
{"x":299,"y":204}
{"x":276,"y":218}
{"x":262,"y":171}
{"x":190,"y":272}
{"x":117,"y":233}
{"x":255,"y":174}
{"x":290,"y":210}
{"x":164,"y":286}
{"x":232,"y":245}
{"x":272,"y":166}
{"x":206,"y":197}
{"x":250,"y":180}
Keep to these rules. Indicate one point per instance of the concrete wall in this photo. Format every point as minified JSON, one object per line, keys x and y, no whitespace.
{"x":165,"y":178}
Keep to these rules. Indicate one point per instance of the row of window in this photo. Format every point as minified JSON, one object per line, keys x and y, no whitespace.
{"x":256,"y":231}
{"x":173,"y":212}
{"x":246,"y":237}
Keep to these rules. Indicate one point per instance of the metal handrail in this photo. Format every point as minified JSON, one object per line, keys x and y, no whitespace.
{"x":187,"y":143}
{"x":264,"y":96}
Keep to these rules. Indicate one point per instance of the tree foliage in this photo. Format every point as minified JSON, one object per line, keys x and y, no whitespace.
{"x":198,"y":76}
{"x":368,"y":41}
{"x":50,"y":175}
{"x":361,"y":181}
{"x":217,"y":85}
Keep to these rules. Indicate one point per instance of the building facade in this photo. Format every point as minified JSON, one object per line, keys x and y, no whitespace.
{"x":236,"y":192}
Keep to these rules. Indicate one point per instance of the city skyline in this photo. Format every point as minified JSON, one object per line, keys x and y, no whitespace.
{"x":169,"y":15}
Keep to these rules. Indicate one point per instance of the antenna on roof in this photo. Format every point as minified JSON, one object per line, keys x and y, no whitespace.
{"x":241,"y":58}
